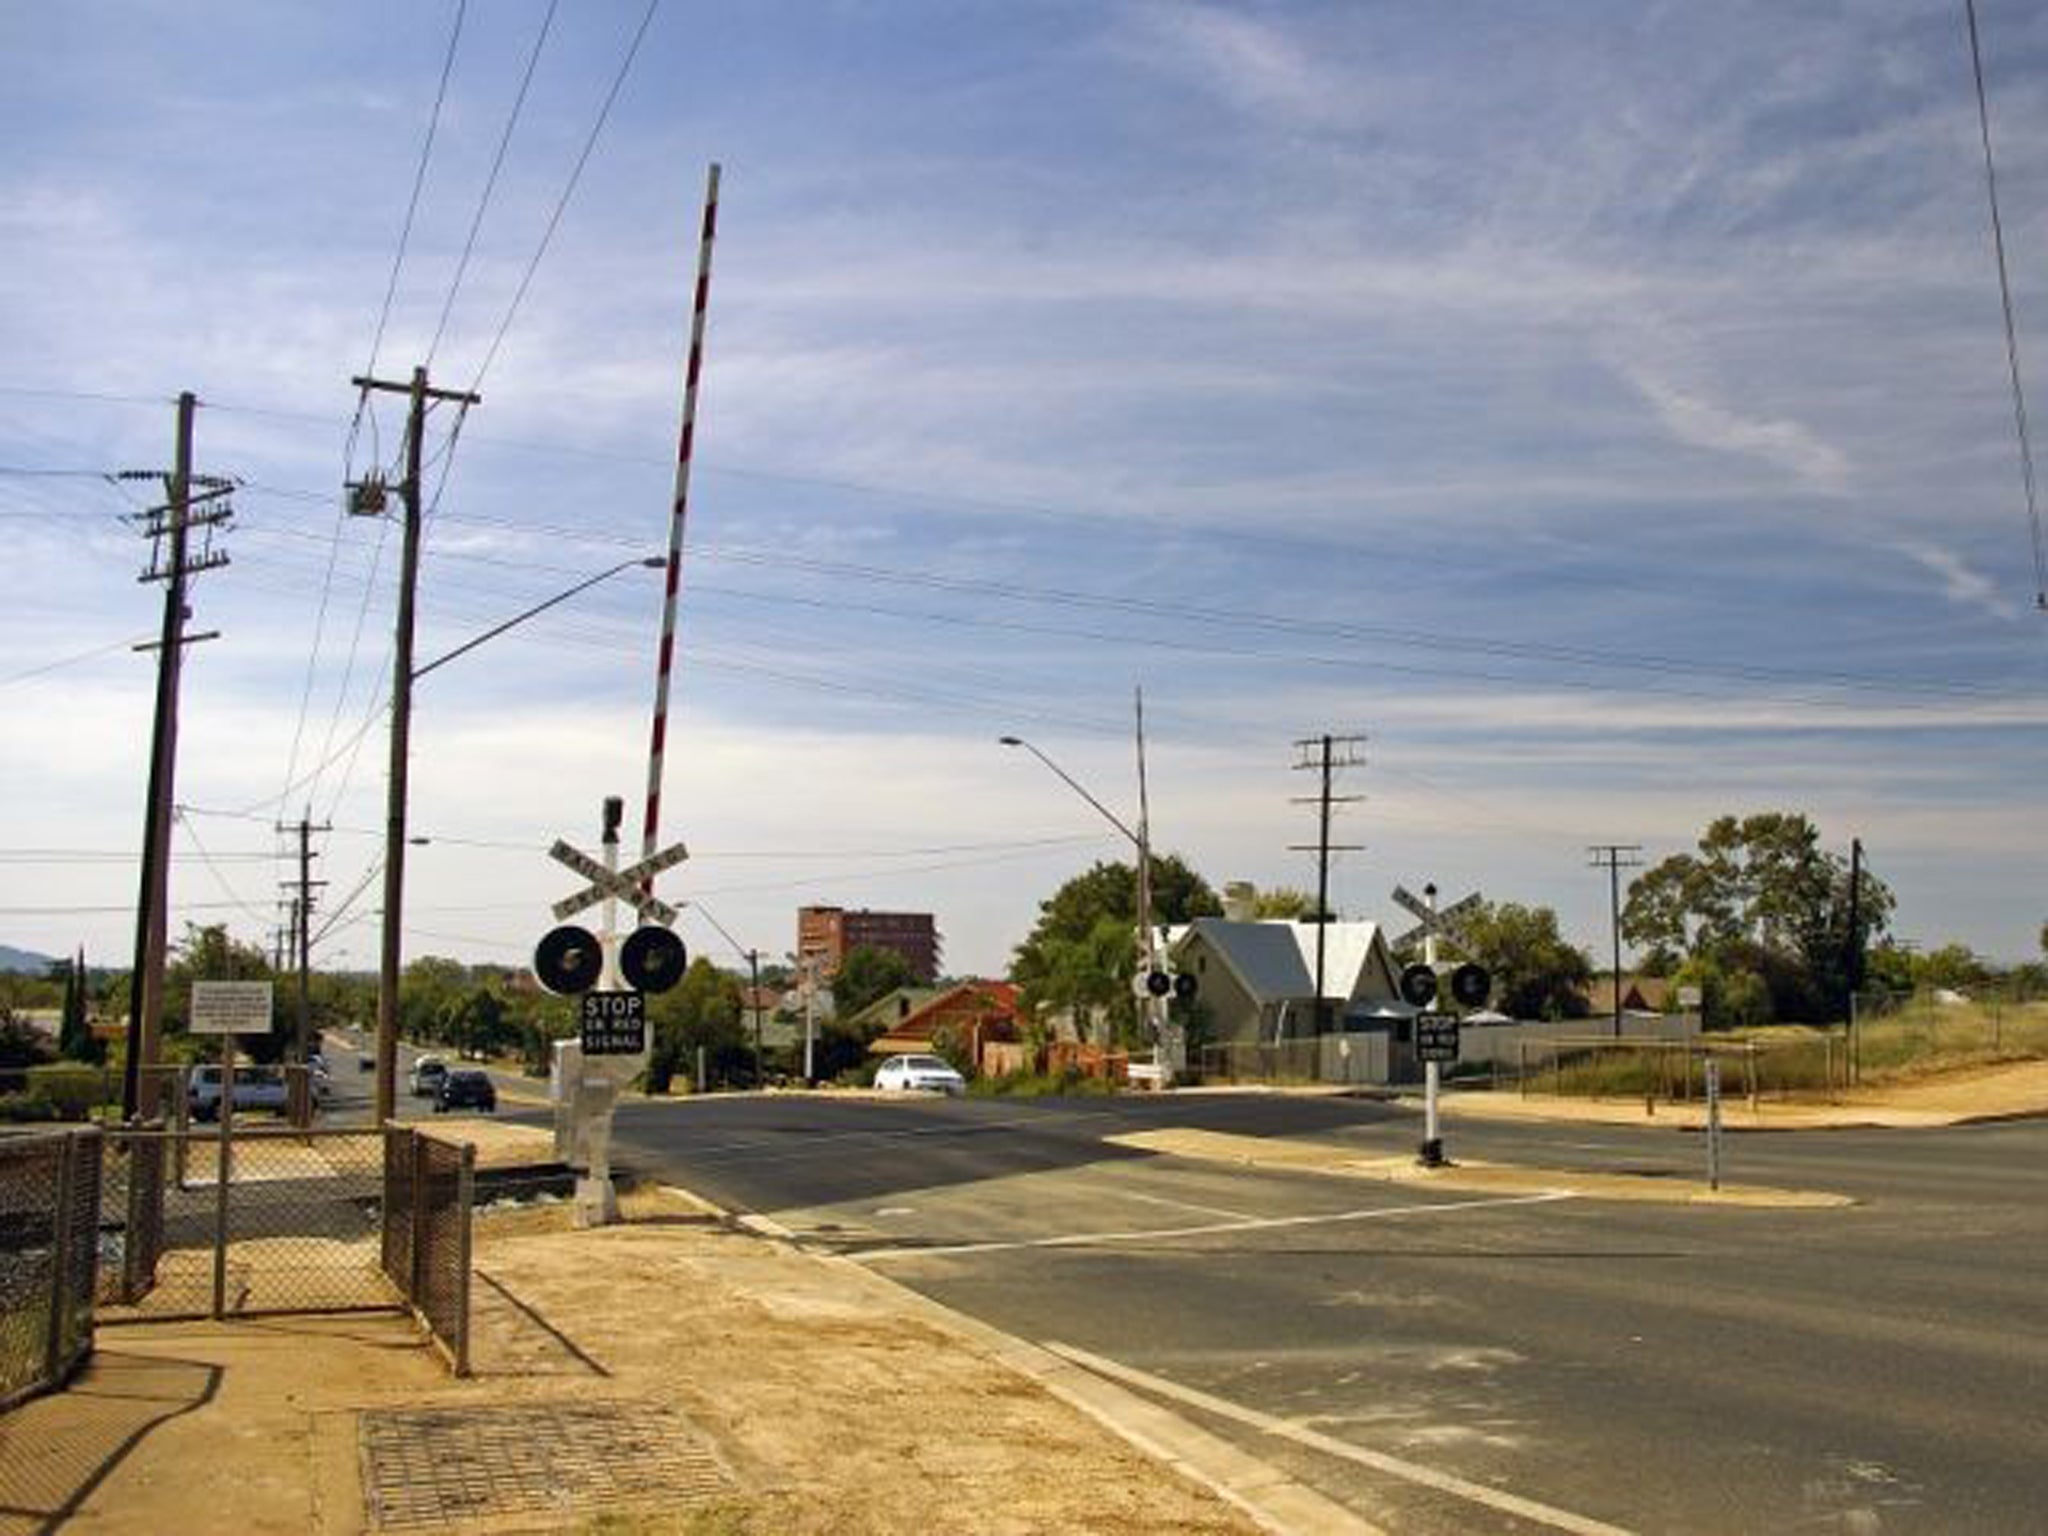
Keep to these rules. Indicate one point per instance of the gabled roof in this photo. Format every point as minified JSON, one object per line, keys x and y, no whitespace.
{"x":1275,"y":961}
{"x":893,"y":1007}
{"x":985,"y":1002}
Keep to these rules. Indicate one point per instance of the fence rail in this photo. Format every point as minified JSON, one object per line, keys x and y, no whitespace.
{"x":49,"y":1257}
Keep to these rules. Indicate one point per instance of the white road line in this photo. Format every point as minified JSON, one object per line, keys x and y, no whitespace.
{"x":1209,"y":1229}
{"x":1186,"y":1205}
{"x":1379,"y":1461}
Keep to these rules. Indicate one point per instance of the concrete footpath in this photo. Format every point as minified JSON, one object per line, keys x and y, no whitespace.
{"x":671,"y":1374}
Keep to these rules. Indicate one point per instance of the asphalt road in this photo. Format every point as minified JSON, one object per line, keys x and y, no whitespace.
{"x":1446,"y":1362}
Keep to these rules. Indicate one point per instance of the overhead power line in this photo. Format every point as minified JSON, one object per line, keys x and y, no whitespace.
{"x":2012,"y":345}
{"x":568,"y":190}
{"x":491,"y":181}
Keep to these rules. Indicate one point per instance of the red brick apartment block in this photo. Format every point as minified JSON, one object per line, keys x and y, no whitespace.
{"x":825,"y":934}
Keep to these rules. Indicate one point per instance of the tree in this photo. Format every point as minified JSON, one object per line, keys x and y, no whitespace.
{"x":208,"y":953}
{"x":75,"y":1040}
{"x":21,"y":1043}
{"x":865,"y":974}
{"x":1953,"y":967}
{"x":1764,"y":886}
{"x":701,"y":1010}
{"x":1083,"y":950}
{"x":477,"y":1021}
{"x":1283,"y":903}
{"x":1536,"y":973}
{"x":427,"y":988}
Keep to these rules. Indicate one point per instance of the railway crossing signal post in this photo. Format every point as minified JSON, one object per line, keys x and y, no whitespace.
{"x":610,"y":975}
{"x":1436,"y":1034}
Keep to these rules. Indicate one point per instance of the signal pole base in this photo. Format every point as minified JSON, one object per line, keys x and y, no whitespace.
{"x":1432,"y":1153}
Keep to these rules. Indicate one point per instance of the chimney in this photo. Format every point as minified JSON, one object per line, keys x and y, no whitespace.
{"x":1240,"y":901}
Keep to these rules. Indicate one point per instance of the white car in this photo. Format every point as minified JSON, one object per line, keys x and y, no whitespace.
{"x":426,"y":1075}
{"x":926,"y":1072}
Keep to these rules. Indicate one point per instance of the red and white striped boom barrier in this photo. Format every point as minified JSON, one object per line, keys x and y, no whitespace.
{"x":679,"y":512}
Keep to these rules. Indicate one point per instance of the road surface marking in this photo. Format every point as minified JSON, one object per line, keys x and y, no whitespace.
{"x":1379,"y":1461}
{"x":1186,"y":1205}
{"x":1208,"y":1229}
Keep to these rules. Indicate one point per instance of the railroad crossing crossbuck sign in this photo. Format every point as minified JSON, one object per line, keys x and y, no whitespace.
{"x":1470,"y":983}
{"x":623,"y":884}
{"x":1447,"y":924}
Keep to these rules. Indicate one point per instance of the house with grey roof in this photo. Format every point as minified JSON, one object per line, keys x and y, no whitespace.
{"x":1257,"y":978}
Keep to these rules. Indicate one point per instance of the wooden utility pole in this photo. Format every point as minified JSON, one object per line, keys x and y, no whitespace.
{"x":168,"y":528}
{"x":1319,"y":754}
{"x":1608,"y":856}
{"x":418,"y":393}
{"x":302,"y":930}
{"x":754,"y":998}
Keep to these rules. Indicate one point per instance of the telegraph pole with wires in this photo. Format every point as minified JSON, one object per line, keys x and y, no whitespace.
{"x":302,"y":926}
{"x":1611,"y":857}
{"x":1324,"y":755}
{"x":367,"y":498}
{"x":192,"y":504}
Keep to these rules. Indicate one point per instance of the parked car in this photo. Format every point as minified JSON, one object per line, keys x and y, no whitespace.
{"x":465,"y":1089}
{"x":255,"y":1088}
{"x":919,"y":1072}
{"x":426,"y":1076}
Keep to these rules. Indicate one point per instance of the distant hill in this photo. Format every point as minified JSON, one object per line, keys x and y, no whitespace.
{"x":24,"y":960}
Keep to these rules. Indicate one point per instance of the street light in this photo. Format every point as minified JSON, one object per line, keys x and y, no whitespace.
{"x":1139,"y":840}
{"x":1074,"y":784}
{"x":395,"y":839}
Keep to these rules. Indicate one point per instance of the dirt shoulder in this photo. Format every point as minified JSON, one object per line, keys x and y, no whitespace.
{"x":822,"y":1398}
{"x":2012,"y":1091}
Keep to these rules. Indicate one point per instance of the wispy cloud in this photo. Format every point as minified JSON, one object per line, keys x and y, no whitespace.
{"x":1960,"y":583}
{"x":1701,"y":422}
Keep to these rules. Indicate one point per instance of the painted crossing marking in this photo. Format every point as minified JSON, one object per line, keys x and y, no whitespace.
{"x":1379,"y":1461}
{"x":1208,"y":1229}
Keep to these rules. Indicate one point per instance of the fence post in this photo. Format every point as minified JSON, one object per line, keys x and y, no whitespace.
{"x":60,"y":1258}
{"x":465,"y":1212}
{"x":223,"y":1165}
{"x":419,"y":1217}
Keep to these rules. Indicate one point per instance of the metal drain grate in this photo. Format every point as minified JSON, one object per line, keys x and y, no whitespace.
{"x":431,"y":1466}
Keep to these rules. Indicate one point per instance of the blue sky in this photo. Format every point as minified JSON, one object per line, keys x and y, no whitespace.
{"x":1601,"y":407}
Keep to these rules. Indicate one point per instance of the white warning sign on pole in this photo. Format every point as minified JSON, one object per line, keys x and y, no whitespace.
{"x":230,"y":1008}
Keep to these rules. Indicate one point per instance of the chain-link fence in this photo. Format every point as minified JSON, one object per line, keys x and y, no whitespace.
{"x":1802,"y":1065}
{"x":256,"y":1221}
{"x":49,"y":1257}
{"x":429,"y":1201}
{"x":1900,"y":1033}
{"x":1262,"y":1061}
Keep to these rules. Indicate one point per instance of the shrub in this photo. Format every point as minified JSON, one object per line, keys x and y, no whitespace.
{"x":25,"y":1108}
{"x":74,"y":1092}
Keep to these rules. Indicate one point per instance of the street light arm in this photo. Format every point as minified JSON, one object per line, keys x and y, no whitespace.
{"x":652,"y":561}
{"x":1068,"y":779}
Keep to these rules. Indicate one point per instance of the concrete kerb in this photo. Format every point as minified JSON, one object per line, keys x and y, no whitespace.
{"x":1474,"y":1177}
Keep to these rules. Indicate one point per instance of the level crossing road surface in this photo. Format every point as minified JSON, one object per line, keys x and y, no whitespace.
{"x":1447,"y":1361}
